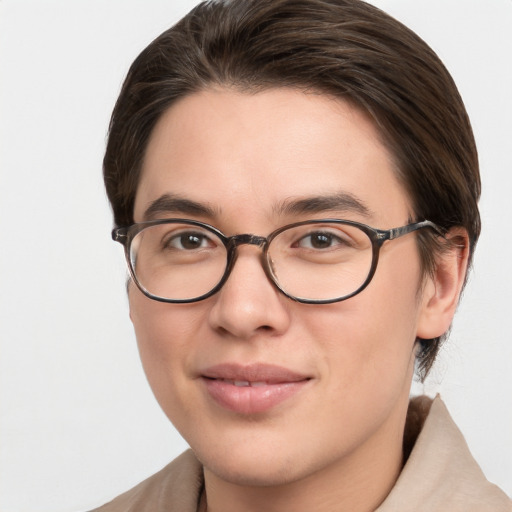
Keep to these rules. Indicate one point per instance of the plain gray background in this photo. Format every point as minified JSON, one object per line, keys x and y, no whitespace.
{"x":78,"y":421}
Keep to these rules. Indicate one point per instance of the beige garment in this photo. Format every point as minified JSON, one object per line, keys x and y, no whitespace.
{"x":440,"y":476}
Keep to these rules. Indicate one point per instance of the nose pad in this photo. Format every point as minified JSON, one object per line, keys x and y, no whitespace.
{"x":268,"y":265}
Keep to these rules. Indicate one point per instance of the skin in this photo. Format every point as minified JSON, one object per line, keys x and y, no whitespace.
{"x":336,"y":444}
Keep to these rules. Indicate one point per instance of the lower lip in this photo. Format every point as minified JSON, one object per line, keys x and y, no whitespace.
{"x":251,"y":399}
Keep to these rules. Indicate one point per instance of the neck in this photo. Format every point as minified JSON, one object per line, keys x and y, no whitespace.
{"x":358,"y":483}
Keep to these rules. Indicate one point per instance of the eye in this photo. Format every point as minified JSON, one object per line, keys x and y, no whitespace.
{"x":189,"y":241}
{"x":320,"y":240}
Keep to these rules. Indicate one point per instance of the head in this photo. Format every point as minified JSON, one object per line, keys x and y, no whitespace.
{"x":244,"y":106}
{"x":344,"y":49}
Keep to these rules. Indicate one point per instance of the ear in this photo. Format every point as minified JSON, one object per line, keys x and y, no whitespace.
{"x":441,"y":291}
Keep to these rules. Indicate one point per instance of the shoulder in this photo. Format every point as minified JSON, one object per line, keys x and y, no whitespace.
{"x":176,"y":487}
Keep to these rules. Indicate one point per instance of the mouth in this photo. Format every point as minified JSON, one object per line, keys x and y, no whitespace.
{"x":251,"y":389}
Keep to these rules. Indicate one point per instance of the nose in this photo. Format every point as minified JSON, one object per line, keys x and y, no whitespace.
{"x":249,"y":304}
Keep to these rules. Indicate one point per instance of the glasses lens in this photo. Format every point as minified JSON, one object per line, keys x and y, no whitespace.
{"x":321,"y":261}
{"x":177,"y":261}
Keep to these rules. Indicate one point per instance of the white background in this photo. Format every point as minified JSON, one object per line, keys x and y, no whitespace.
{"x":78,"y":421}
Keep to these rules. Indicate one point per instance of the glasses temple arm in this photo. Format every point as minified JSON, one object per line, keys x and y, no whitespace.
{"x":409,"y":228}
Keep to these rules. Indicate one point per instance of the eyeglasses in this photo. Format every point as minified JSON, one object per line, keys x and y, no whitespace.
{"x":313,"y":262}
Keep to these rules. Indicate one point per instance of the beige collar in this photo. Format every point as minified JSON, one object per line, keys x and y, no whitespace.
{"x":440,"y":474}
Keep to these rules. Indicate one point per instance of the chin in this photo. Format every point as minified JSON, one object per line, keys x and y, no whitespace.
{"x":253,"y":473}
{"x":256,"y":464}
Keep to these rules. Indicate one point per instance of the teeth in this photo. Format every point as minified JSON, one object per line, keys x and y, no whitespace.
{"x":245,"y":383}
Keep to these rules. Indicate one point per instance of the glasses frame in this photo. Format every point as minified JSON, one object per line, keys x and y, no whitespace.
{"x":125,"y":235}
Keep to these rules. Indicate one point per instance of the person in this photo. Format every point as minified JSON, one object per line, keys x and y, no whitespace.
{"x":295,"y":184}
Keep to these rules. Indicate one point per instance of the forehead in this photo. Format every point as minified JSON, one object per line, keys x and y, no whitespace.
{"x":240,"y":153}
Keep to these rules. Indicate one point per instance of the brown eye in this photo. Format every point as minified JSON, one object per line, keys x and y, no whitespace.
{"x":188,"y":241}
{"x":319,"y":240}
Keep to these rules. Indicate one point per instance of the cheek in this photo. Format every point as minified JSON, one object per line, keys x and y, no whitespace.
{"x":368,"y":341}
{"x":393,"y":307}
{"x":165,"y":335}
{"x":363,"y":344}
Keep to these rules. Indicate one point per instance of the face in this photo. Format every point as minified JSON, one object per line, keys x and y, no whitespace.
{"x":329,"y":383}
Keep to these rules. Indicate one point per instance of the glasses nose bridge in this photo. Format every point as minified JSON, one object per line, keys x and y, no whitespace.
{"x":247,"y":239}
{"x":233,"y":242}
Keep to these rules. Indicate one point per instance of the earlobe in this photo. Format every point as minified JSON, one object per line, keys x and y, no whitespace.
{"x":442,"y":289}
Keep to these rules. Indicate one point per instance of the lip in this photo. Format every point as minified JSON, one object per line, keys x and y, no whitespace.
{"x":251,"y":389}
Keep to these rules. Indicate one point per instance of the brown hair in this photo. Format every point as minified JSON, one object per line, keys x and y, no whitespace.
{"x":344,"y":48}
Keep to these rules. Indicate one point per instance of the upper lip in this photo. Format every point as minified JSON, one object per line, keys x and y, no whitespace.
{"x":256,"y":372}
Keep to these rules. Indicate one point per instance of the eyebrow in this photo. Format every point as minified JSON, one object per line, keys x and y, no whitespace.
{"x":340,"y":202}
{"x":170,"y":203}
